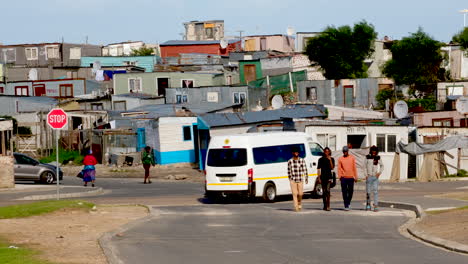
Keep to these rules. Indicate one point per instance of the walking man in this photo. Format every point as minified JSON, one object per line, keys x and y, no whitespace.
{"x":297,"y":172}
{"x":374,"y":168}
{"x":347,"y":173}
{"x":147,"y":159}
{"x":326,"y":165}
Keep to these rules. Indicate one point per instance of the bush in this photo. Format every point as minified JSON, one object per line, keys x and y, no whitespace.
{"x":65,"y":156}
{"x":385,"y":94}
{"x":460,"y":173}
{"x":428,"y":103}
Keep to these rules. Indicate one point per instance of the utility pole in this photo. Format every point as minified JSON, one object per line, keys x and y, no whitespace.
{"x":240,"y":38}
{"x":464,"y":11}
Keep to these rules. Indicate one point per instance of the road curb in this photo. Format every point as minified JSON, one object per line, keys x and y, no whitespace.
{"x":411,"y":228}
{"x":105,"y":241}
{"x":97,"y":191}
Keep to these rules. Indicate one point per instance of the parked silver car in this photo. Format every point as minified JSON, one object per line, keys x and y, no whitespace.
{"x":29,"y":169}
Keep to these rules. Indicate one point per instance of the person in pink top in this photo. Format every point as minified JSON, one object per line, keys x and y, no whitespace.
{"x":347,"y":173}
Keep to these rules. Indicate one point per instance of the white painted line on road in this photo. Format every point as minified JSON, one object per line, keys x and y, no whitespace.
{"x":439,"y":209}
{"x":218,"y":225}
{"x":234,"y":251}
{"x":463,"y":188}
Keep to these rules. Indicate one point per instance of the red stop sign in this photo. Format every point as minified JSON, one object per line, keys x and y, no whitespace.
{"x":57,"y":118}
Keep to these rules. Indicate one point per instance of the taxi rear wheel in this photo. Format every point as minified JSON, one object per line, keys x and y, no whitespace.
{"x":269,"y":193}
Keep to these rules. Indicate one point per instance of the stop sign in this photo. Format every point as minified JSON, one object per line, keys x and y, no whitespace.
{"x":57,"y":118}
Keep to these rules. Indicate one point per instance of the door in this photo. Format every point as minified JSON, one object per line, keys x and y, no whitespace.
{"x":141,"y":138}
{"x":163,"y":83}
{"x":348,"y":95}
{"x":250,"y":73}
{"x":26,"y":167}
{"x":39,"y":89}
{"x":196,"y":145}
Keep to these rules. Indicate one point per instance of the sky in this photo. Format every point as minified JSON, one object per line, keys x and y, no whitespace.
{"x":156,"y":21}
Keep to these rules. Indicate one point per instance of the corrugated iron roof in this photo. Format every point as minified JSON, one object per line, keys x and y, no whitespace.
{"x":241,"y":118}
{"x":194,"y":42}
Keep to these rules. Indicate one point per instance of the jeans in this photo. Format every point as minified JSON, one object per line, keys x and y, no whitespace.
{"x":347,"y":189}
{"x":372,"y":187}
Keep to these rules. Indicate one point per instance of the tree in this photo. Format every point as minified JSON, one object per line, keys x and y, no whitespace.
{"x":415,"y":61}
{"x":341,"y":52}
{"x":143,"y":51}
{"x":462,"y":38}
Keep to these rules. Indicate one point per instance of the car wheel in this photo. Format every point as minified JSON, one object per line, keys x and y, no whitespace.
{"x":269,"y":193}
{"x":47,"y":177}
{"x":318,"y":191}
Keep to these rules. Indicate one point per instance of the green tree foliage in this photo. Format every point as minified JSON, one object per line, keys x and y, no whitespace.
{"x":462,"y":38}
{"x":385,"y":94}
{"x":143,"y":51}
{"x":415,"y":61}
{"x":341,"y":52}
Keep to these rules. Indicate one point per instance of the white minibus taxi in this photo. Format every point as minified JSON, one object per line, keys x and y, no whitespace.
{"x":256,"y":164}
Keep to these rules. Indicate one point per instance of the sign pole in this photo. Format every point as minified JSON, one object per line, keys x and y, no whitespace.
{"x":57,"y":175}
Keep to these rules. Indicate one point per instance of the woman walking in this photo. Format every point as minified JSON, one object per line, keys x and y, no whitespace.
{"x":326,"y":165}
{"x":374,"y":168}
{"x":147,"y":159}
{"x":89,"y":171}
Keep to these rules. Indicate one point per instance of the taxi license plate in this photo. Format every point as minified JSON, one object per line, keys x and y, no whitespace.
{"x":226,"y":179}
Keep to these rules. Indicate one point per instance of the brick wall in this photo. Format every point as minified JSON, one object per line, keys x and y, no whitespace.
{"x":7,"y":179}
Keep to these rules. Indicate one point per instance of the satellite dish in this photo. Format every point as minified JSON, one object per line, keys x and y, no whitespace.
{"x":277,"y":102}
{"x":96,"y":66}
{"x":32,"y":76}
{"x":223,"y":43}
{"x":400,"y":109}
{"x":290,"y":31}
{"x":462,"y":105}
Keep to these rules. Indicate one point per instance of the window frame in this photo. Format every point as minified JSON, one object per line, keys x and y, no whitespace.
{"x":385,"y":149}
{"x":22,"y":88}
{"x":181,"y":101}
{"x":279,"y":159}
{"x":78,"y":57}
{"x":100,"y":106}
{"x":141,"y":84}
{"x":442,"y":120}
{"x":31,"y":49}
{"x":190,"y":133}
{"x":56,"y":55}
{"x":182,"y":83}
{"x":5,"y":54}
{"x":66,"y":86}
{"x":239,"y":97}
{"x":120,"y":102}
{"x":327,"y":138}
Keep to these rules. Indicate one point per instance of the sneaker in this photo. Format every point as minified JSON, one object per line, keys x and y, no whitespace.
{"x":92,"y":185}
{"x":346,"y":208}
{"x":368,"y":208}
{"x":376,"y":209}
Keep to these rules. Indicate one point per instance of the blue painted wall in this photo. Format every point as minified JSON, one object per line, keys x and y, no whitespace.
{"x":171,"y":157}
{"x":146,"y":62}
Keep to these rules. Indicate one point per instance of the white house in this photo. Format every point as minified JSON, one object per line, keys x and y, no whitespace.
{"x":361,"y":136}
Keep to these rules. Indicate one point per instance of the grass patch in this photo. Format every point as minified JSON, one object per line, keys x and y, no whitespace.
{"x":65,"y":156}
{"x":18,"y":255}
{"x":460,"y":174}
{"x":447,"y":211}
{"x":38,"y":208}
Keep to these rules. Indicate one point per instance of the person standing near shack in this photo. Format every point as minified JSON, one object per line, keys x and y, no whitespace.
{"x":374,"y":168}
{"x":297,"y":172}
{"x":347,"y":172}
{"x":326,"y":165}
{"x":89,"y":171}
{"x":147,"y":159}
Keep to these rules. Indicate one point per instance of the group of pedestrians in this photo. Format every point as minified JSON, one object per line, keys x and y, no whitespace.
{"x":347,"y":175}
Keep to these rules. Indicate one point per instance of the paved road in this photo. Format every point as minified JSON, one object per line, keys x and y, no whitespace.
{"x":262,"y":233}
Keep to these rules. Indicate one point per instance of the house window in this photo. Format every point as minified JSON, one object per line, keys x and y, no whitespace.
{"x":187,"y":131}
{"x":120,"y":105}
{"x":31,"y":53}
{"x":9,"y":55}
{"x":209,"y":33}
{"x":105,"y":51}
{"x":66,"y":90}
{"x":239,"y":98}
{"x":120,"y":51}
{"x":187,"y":83}
{"x":21,"y":90}
{"x":134,"y":85}
{"x":75,"y":53}
{"x":181,"y":98}
{"x":442,"y":122}
{"x":97,"y":106}
{"x":53,"y":52}
{"x":212,"y":97}
{"x":311,"y":93}
{"x":386,"y":143}
{"x":327,"y":140}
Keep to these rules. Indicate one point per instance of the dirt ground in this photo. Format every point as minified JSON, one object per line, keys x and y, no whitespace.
{"x":69,"y":236}
{"x":181,"y":172}
{"x":451,"y":225}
